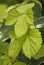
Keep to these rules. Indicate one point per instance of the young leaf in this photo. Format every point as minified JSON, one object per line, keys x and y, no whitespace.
{"x":30,"y":16}
{"x":15,"y":13}
{"x":12,"y":17}
{"x":21,"y":26}
{"x":19,"y":63}
{"x":14,"y":48}
{"x":32,"y":43}
{"x":3,"y":12}
{"x":24,"y":8}
{"x":40,"y":53}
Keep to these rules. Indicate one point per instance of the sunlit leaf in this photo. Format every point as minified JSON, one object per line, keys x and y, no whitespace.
{"x":24,"y":8}
{"x":12,"y":17}
{"x":21,"y":26}
{"x":32,"y":43}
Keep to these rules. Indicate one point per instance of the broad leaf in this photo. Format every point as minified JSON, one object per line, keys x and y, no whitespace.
{"x":14,"y":48}
{"x":32,"y":43}
{"x":4,"y":30}
{"x":21,"y":26}
{"x":40,"y":53}
{"x":19,"y":63}
{"x":3,"y":12}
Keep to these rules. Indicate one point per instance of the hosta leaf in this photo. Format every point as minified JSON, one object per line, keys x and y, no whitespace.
{"x":24,"y":8}
{"x":32,"y":43}
{"x":19,"y":63}
{"x":21,"y":26}
{"x":12,"y":17}
{"x":4,"y":30}
{"x":3,"y":12}
{"x":40,"y":53}
{"x":4,"y":60}
{"x":4,"y":47}
{"x":14,"y":48}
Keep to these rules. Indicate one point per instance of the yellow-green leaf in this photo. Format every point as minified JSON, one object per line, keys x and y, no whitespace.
{"x":32,"y":43}
{"x":21,"y":26}
{"x":3,"y":12}
{"x":12,"y":17}
{"x":24,"y":8}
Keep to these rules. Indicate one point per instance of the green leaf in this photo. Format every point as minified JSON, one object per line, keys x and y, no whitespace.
{"x":14,"y":48}
{"x":24,"y":8}
{"x":19,"y":63}
{"x":32,"y":43}
{"x":16,"y":13}
{"x":30,"y":16}
{"x":3,"y":12}
{"x":21,"y":26}
{"x":4,"y":60}
{"x":40,"y":53}
{"x":12,"y":17}
{"x":11,"y":33}
{"x":4,"y":47}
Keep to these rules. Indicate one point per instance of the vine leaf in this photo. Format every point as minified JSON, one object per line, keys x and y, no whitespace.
{"x":14,"y":48}
{"x":21,"y":26}
{"x":19,"y":63}
{"x":40,"y":53}
{"x":3,"y":12}
{"x":32,"y":43}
